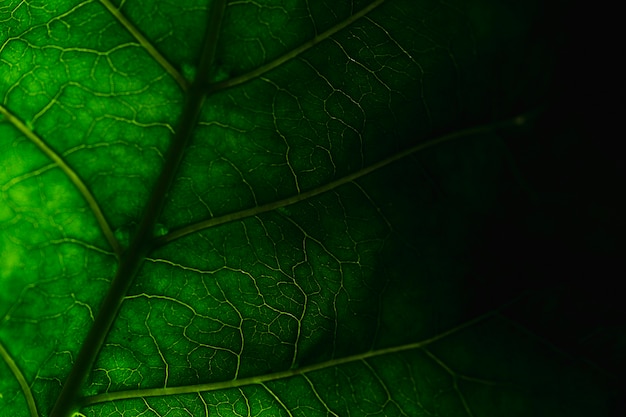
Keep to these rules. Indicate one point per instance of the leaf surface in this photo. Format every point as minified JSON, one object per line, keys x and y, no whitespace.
{"x":266,"y":208}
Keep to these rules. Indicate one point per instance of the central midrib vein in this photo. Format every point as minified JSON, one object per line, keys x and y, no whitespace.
{"x":143,"y":240}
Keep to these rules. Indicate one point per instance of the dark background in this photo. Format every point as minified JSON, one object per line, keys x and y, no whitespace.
{"x":562,"y":252}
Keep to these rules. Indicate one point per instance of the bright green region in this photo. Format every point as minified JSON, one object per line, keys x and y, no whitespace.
{"x":24,"y":194}
{"x":12,"y":261}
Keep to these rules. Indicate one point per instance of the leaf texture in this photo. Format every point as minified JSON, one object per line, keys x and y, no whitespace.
{"x":264,"y":208}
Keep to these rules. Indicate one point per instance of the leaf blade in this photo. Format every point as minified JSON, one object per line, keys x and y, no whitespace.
{"x":72,"y":176}
{"x":296,"y":251}
{"x":154,"y":53}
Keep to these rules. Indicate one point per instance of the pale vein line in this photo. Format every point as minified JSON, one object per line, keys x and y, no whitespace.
{"x":318,"y":396}
{"x":205,"y":224}
{"x":455,"y":384}
{"x":390,"y":398}
{"x":262,"y":379}
{"x":154,"y":53}
{"x":71,"y":174}
{"x":30,"y":400}
{"x":294,"y":52}
{"x":278,"y":400}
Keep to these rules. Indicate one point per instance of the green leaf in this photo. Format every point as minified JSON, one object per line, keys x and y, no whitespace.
{"x":270,"y":208}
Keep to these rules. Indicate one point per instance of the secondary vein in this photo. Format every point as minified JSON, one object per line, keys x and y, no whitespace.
{"x":230,"y":217}
{"x":28,"y":395}
{"x":294,"y":52}
{"x":262,"y":379}
{"x":71,"y":174}
{"x":143,"y":41}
